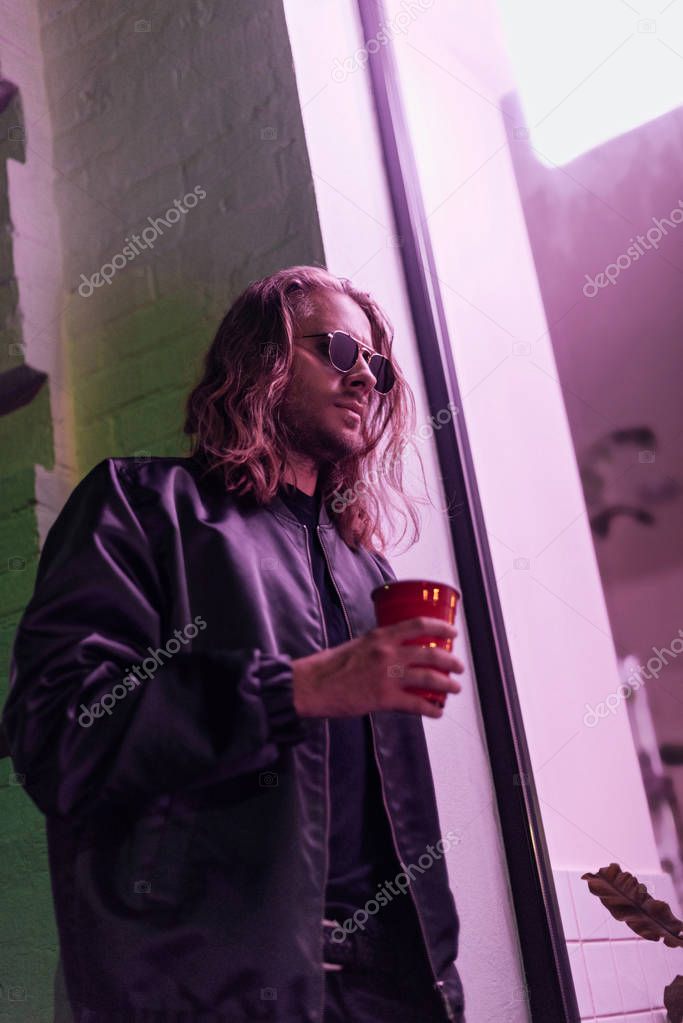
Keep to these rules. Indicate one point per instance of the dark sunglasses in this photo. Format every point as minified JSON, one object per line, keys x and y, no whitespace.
{"x":343,"y":354}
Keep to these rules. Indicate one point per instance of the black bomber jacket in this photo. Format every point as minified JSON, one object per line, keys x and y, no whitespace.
{"x":150,"y":719}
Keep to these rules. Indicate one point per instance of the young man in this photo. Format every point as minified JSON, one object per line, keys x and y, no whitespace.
{"x":223,"y":743}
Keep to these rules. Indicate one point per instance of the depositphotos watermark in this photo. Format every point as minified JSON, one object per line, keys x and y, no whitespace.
{"x":149,"y":234}
{"x":633,"y":252}
{"x":343,"y":68}
{"x":131,"y":681}
{"x":353,"y":923}
{"x":351,"y":494}
{"x":654,"y":665}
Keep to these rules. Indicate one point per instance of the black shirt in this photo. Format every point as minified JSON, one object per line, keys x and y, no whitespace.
{"x":361,"y":851}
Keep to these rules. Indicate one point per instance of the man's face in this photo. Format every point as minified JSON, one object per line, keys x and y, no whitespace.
{"x":323,"y":430}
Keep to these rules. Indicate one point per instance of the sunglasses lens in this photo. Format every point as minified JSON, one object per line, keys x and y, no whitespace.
{"x":342,"y":351}
{"x":380,"y":367}
{"x":343,"y":354}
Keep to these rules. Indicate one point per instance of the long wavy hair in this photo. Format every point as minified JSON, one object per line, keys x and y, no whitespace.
{"x":233,"y":414}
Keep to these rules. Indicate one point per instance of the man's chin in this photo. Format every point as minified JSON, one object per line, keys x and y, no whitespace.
{"x":331,"y":445}
{"x":345,"y":443}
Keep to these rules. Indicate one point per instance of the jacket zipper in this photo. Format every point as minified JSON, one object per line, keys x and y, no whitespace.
{"x":327,"y":785}
{"x":437,"y":984}
{"x":348,"y":623}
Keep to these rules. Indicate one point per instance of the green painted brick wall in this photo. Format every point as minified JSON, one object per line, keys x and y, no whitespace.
{"x":28,"y":939}
{"x":131,"y":385}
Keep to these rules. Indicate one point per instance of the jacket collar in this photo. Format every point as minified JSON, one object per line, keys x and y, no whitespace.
{"x":279,"y":508}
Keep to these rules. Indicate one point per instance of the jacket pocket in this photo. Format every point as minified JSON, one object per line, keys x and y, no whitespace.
{"x":158,"y":859}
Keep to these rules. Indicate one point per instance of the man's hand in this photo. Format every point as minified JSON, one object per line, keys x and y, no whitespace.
{"x":373,"y":671}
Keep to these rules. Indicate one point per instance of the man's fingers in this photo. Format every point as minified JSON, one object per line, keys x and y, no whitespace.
{"x":424,"y":625}
{"x":427,"y":679}
{"x":420,"y":705}
{"x":434,"y":656}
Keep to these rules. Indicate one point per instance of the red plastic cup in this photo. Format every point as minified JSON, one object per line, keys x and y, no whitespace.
{"x":413,"y":598}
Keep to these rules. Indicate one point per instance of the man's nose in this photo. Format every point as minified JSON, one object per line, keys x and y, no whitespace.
{"x":361,"y":372}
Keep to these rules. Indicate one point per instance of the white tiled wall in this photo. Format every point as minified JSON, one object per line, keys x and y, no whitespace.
{"x":619,"y":977}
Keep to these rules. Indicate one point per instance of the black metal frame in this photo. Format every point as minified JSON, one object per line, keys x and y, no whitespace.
{"x":550,"y":987}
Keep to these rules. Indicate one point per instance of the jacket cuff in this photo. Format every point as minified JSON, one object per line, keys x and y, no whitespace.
{"x":274,"y":675}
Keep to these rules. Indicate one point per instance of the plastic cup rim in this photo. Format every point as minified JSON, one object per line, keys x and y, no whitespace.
{"x":422,"y":582}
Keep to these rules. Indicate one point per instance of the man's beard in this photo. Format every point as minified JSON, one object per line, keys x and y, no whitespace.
{"x":321,"y":443}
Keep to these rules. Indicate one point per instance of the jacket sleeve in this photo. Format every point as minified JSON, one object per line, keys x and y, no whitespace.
{"x":83,"y":729}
